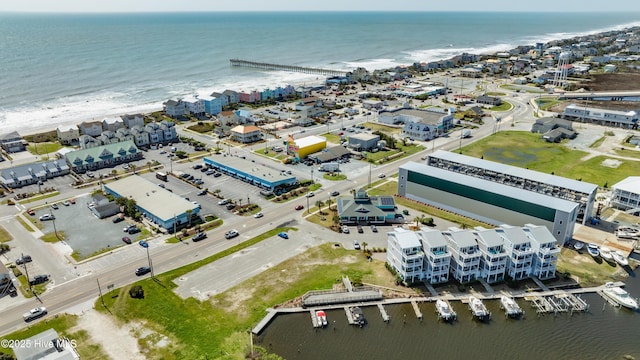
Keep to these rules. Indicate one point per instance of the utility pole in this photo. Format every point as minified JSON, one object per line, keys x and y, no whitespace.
{"x":150,"y":265}
{"x":26,"y":273}
{"x":100,"y":292}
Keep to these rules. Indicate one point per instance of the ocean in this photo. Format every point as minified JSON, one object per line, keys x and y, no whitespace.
{"x":68,"y":68}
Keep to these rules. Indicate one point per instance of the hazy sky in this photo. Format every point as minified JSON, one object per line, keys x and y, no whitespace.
{"x":310,"y":5}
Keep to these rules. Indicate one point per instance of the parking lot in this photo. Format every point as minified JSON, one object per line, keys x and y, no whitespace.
{"x":84,"y":233}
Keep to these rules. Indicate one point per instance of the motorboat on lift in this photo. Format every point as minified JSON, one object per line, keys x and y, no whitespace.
{"x":445,"y":311}
{"x":619,"y":296}
{"x":511,"y":307}
{"x":478,"y":309}
{"x":322,"y":318}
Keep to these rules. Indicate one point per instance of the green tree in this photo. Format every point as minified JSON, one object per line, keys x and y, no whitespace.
{"x":364,"y":245}
{"x":189,"y":212}
{"x":319,"y":205}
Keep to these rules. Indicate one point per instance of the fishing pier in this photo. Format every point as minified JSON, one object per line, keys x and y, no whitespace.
{"x":288,"y":68}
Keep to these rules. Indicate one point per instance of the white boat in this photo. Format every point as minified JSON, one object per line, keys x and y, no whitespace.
{"x":445,"y":311}
{"x":511,"y":307}
{"x":605,"y":253}
{"x":322,"y":318}
{"x":619,"y":296}
{"x":478,"y":309}
{"x":358,"y":316}
{"x":593,"y":250}
{"x":620,"y":258}
{"x":578,"y":245}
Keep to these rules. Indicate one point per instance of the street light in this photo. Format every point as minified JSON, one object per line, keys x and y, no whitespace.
{"x":149,"y":259}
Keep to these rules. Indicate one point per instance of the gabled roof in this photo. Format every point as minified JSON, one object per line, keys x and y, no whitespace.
{"x":245,"y":129}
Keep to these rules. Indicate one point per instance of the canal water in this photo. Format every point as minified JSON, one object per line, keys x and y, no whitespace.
{"x":605,"y":332}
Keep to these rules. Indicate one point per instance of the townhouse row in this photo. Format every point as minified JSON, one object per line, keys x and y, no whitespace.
{"x":494,"y":255}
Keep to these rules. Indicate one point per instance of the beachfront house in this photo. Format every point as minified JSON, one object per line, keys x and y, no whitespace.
{"x":546,"y":251}
{"x":140,"y":136}
{"x":68,"y":134}
{"x":12,"y":142}
{"x":124,"y":134}
{"x":405,"y":255}
{"x":194,"y":105}
{"x":437,"y":258}
{"x":156,"y":134}
{"x":108,"y":137}
{"x":518,"y":246}
{"x":112,"y":123}
{"x":212,"y":105}
{"x":249,"y":97}
{"x":232,"y":96}
{"x":91,"y":128}
{"x":493,"y":259}
{"x":465,"y":255}
{"x":175,"y":108}
{"x":169,"y":133}
{"x":133,"y":120}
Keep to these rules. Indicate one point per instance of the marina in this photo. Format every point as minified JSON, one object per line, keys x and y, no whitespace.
{"x":617,"y":296}
{"x":478,"y":309}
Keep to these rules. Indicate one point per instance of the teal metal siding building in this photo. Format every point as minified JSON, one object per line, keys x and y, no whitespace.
{"x":487,"y":201}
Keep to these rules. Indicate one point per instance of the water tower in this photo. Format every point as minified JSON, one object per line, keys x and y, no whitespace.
{"x":560,"y":77}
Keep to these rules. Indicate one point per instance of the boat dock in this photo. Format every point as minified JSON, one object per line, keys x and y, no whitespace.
{"x":289,"y":68}
{"x":416,"y":309}
{"x":383,"y":312}
{"x":350,"y":319}
{"x":559,"y":303}
{"x":314,"y":319}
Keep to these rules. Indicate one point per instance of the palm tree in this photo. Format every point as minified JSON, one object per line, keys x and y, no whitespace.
{"x":319,"y":204}
{"x":189,"y":211}
{"x":419,"y":219}
{"x":329,"y":202}
{"x":364,"y":246}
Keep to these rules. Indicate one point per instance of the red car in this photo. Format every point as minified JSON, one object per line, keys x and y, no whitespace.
{"x":31,"y":212}
{"x":299,"y":207}
{"x":126,"y":240}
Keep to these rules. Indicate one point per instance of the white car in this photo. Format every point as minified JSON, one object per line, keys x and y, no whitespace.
{"x":258,"y":215}
{"x":310,"y":194}
{"x":223,"y":202}
{"x":231,"y":234}
{"x":34,"y":313}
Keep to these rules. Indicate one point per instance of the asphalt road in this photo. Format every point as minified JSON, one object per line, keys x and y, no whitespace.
{"x":77,"y":284}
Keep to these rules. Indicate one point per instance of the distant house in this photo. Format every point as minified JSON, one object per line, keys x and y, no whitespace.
{"x":489,"y":100}
{"x":232,"y":96}
{"x":365,"y":209}
{"x":228,"y":118}
{"x":92,"y":128}
{"x":249,"y":97}
{"x":224,"y":99}
{"x":133,"y":120}
{"x":112,"y":124}
{"x":12,"y":142}
{"x":546,"y":124}
{"x":246,"y":134}
{"x":28,"y":174}
{"x":105,"y":210}
{"x":140,"y":136}
{"x":68,"y":134}
{"x":87,"y":142}
{"x":175,"y":108}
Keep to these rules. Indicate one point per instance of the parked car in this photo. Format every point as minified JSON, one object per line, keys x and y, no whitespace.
{"x":374,"y":228}
{"x":46,"y":217}
{"x":345,"y":229}
{"x":356,"y":245}
{"x":143,"y":270}
{"x":198,"y":182}
{"x":199,"y":236}
{"x":258,"y":215}
{"x":381,"y":176}
{"x":31,"y":212}
{"x":202,"y":192}
{"x":118,"y":218}
{"x":299,"y":207}
{"x":335,"y":193}
{"x":129,"y":226}
{"x":217,"y":174}
{"x":23,"y":260}
{"x":223,"y":202}
{"x":360,"y":230}
{"x":231,"y":234}
{"x":210,"y":172}
{"x":34,"y":313}
{"x":134,"y":230}
{"x":66,"y":203}
{"x":283,"y":235}
{"x":143,"y":243}
{"x":310,"y":194}
{"x":231,"y":206}
{"x":126,"y":240}
{"x":39,"y":279}
{"x":54,"y":206}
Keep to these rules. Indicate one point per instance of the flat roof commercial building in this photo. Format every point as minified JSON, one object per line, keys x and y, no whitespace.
{"x":157,"y":204}
{"x":487,"y":200}
{"x":303,"y":147}
{"x":274,"y":180}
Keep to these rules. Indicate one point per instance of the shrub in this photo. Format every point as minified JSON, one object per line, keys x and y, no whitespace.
{"x":136,"y":292}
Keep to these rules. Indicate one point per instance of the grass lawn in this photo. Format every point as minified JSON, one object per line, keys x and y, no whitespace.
{"x":586,"y":269}
{"x":547,"y":102}
{"x":502,"y":107}
{"x":272,"y":154}
{"x":527,"y":150}
{"x":334,"y":176}
{"x":24,"y":224}
{"x":202,"y":127}
{"x":218,"y":327}
{"x":598,"y":142}
{"x":496,"y":93}
{"x":628,"y":153}
{"x":39,"y":197}
{"x":43,"y":148}
{"x":52,"y":237}
{"x":332,"y":138}
{"x":382,"y":128}
{"x":4,"y":235}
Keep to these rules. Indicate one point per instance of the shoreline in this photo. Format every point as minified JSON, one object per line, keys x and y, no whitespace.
{"x":157,"y":106}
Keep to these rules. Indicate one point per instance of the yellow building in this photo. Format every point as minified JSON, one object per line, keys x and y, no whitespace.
{"x":300,"y":148}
